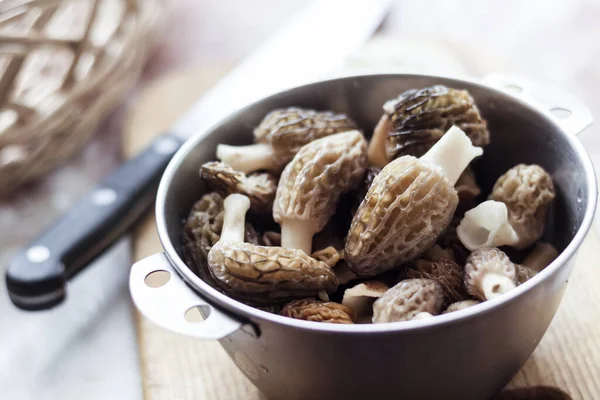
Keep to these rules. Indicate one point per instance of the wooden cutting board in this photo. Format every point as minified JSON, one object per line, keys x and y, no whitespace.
{"x":175,"y":367}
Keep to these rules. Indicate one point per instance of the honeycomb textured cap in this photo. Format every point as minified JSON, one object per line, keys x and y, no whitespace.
{"x":259,"y":187}
{"x":313,"y":182}
{"x":268,"y":274}
{"x":288,"y":129}
{"x":461,"y":305}
{"x":319,"y":311}
{"x":487,"y":260}
{"x":527,"y":191}
{"x":407,"y":206}
{"x":524,"y":273}
{"x":407,"y":299}
{"x":446,"y":272}
{"x":419,"y":118}
{"x":201,"y":231}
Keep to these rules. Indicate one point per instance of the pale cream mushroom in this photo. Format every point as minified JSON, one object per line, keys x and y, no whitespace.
{"x":263,"y":274}
{"x":515,"y":215}
{"x":312,"y":183}
{"x":489,"y":273}
{"x":360,"y":298}
{"x":410,"y":298}
{"x":280,"y":136}
{"x":410,"y":202}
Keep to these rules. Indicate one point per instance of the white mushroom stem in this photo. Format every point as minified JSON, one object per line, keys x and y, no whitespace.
{"x":297,"y":234}
{"x":234,"y":217}
{"x":422,"y":315}
{"x":452,"y":153}
{"x":376,"y":153}
{"x":486,"y":226}
{"x":493,"y":285}
{"x":247,"y":158}
{"x":540,"y":257}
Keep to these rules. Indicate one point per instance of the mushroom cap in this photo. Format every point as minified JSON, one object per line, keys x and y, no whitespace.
{"x":487,"y":260}
{"x":407,"y":299}
{"x":527,"y":191}
{"x":446,"y":272}
{"x":524,"y":273}
{"x":419,"y":118}
{"x":461,"y":305}
{"x":202,"y":230}
{"x":268,"y":274}
{"x":319,"y":311}
{"x":259,"y":187}
{"x":408,"y":205}
{"x":288,"y":129}
{"x":313,"y":182}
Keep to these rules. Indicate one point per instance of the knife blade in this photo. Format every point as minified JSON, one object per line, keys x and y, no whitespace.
{"x":316,"y":40}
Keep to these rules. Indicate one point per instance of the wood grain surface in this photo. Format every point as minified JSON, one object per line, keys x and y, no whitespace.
{"x":179,"y":368}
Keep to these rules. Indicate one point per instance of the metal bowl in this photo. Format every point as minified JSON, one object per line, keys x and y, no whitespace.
{"x":469,"y":354}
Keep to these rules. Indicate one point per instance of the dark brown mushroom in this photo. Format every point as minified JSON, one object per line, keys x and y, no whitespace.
{"x":417,"y":119}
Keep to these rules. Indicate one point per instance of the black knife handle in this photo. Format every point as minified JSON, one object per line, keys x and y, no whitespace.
{"x":37,"y":275}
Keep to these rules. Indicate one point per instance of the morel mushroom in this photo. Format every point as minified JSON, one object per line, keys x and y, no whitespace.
{"x":444,"y":271}
{"x":417,"y":119}
{"x":263,"y":274}
{"x":312,"y":183}
{"x":319,"y":311}
{"x":280,"y":136}
{"x":461,"y":305}
{"x":489,"y":273}
{"x":515,"y":215}
{"x":202,"y":230}
{"x":524,"y":273}
{"x":410,"y":202}
{"x":360,"y":298}
{"x":259,"y":187}
{"x":408,"y":299}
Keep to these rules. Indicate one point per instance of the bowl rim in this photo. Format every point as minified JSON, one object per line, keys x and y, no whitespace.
{"x":253,"y":315}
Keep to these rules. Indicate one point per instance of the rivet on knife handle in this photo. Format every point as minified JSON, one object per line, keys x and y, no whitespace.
{"x":36,"y":277}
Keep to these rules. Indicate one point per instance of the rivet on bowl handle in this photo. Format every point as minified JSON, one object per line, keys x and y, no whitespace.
{"x":164,"y":298}
{"x":564,"y":108}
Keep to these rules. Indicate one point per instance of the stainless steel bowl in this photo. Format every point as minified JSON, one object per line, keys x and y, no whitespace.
{"x":470,"y":354}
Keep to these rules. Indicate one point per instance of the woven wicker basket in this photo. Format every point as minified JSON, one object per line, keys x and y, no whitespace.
{"x":63,"y":66}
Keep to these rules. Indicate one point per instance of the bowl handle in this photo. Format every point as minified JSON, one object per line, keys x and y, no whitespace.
{"x":164,"y":298}
{"x":561,"y":106}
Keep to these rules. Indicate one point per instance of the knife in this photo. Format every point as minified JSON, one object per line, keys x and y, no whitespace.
{"x":316,"y":40}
